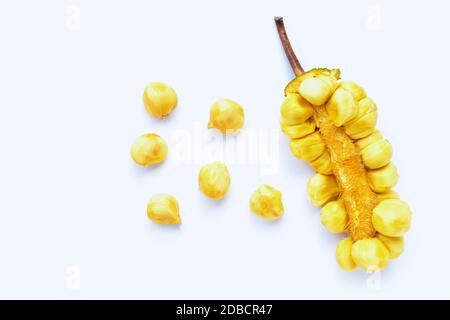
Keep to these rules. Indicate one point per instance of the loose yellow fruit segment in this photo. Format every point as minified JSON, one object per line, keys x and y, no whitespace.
{"x":347,"y":145}
{"x":318,"y":90}
{"x":383,"y":179}
{"x":388,"y":195}
{"x":149,"y":149}
{"x":370,"y":139}
{"x":392,"y":217}
{"x":227,"y":116}
{"x":308,"y":148}
{"x":370,"y":254}
{"x":365,"y":121}
{"x":214,"y":180}
{"x":159,"y":99}
{"x":322,"y":188}
{"x":341,"y":107}
{"x":299,"y":130}
{"x":323,"y":164}
{"x":334,"y":217}
{"x":293,"y":86}
{"x":395,"y":245}
{"x":163,"y":209}
{"x":356,"y":90}
{"x":344,"y":255}
{"x":267,"y":203}
{"x":295,"y":110}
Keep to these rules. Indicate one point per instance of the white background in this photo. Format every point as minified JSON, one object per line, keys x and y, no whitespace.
{"x":72,"y":207}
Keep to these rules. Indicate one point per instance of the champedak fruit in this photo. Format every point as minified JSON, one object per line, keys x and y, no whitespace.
{"x":332,"y":125}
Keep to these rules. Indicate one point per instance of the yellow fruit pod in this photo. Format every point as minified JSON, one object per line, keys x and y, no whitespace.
{"x":293,"y":86}
{"x":322,"y":189}
{"x":370,"y":254}
{"x":323,"y":164}
{"x":392,"y":217}
{"x":319,"y":89}
{"x":395,"y":245}
{"x":300,"y":130}
{"x":334,"y":217}
{"x":344,"y":255}
{"x":149,"y":149}
{"x":388,"y":195}
{"x":365,"y":121}
{"x":383,"y":179}
{"x":356,"y":90}
{"x":159,"y":99}
{"x":295,"y":110}
{"x":163,"y":209}
{"x":267,"y":202}
{"x":214,"y":180}
{"x":377,"y":154}
{"x":227,"y":116}
{"x":341,"y":107}
{"x":371,"y":138}
{"x":308,"y":148}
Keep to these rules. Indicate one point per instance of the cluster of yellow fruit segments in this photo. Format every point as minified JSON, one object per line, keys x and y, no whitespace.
{"x":163,"y":209}
{"x":159,"y":101}
{"x":214,"y":182}
{"x":332,"y":126}
{"x":227,"y":116}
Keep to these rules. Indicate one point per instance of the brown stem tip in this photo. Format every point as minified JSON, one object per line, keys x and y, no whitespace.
{"x":290,"y":54}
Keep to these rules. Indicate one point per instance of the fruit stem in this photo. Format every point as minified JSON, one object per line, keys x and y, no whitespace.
{"x":290,"y":54}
